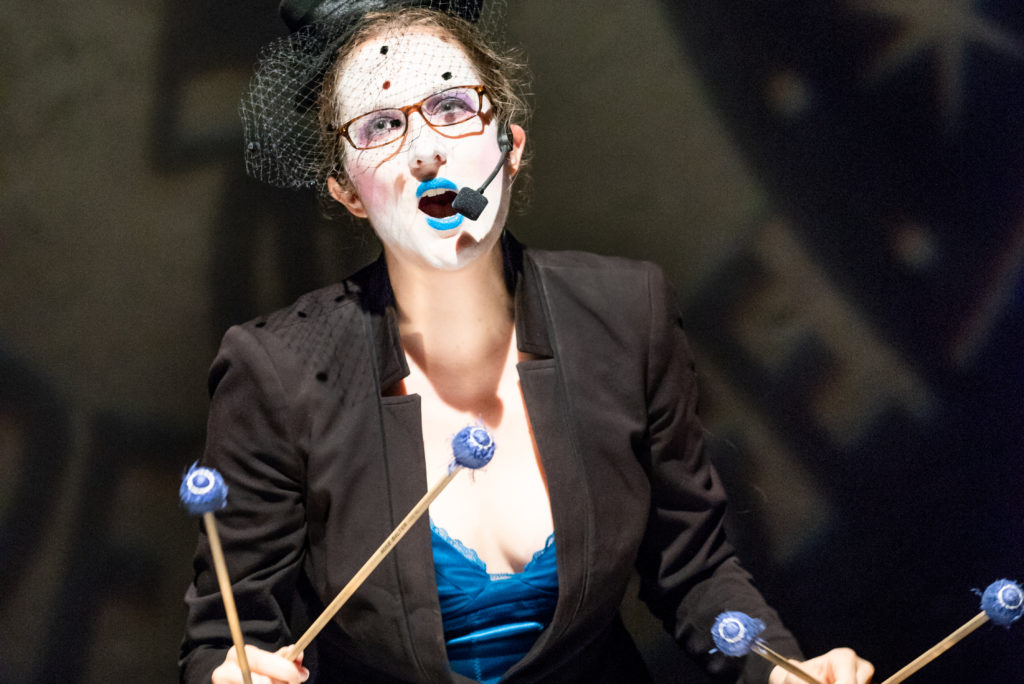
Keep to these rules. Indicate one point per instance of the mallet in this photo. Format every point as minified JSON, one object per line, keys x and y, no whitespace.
{"x":472,"y":448}
{"x":1002,"y":603}
{"x":202,"y":492}
{"x":737,"y":634}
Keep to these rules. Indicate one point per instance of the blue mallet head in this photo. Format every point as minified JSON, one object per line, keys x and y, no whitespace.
{"x":203,"y":490}
{"x":1003,"y":602}
{"x":735,"y":632}
{"x":473,"y":447}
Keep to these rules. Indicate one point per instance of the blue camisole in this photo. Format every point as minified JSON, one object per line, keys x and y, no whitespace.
{"x":491,"y":620}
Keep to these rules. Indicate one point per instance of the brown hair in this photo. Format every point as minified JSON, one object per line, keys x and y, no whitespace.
{"x":502,"y":72}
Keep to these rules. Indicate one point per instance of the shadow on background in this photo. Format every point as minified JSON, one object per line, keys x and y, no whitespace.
{"x":858,"y":336}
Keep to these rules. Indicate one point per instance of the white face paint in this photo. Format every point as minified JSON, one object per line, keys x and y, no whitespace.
{"x":397,"y":69}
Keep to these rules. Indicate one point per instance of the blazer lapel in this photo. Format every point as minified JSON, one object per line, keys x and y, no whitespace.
{"x":546,"y":404}
{"x":569,"y":510}
{"x":402,"y":450}
{"x":417,"y":585}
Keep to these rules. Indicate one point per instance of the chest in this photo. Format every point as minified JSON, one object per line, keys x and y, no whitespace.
{"x":501,"y":511}
{"x":369,"y":461}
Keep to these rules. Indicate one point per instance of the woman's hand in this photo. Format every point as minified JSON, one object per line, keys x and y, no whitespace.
{"x":265,"y":667}
{"x":838,"y":666}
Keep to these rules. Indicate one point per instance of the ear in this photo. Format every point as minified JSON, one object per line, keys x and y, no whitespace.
{"x":348,"y":198}
{"x":515,"y":155}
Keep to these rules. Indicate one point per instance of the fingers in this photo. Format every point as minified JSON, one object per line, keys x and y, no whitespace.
{"x":849,"y":668}
{"x":283,"y":654}
{"x":265,"y":668}
{"x":275,"y":666}
{"x":865,"y":671}
{"x":841,"y":666}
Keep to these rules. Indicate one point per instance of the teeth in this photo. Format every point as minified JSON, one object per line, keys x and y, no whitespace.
{"x":435,"y":192}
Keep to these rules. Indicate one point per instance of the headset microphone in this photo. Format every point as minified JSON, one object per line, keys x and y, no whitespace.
{"x":469,"y":202}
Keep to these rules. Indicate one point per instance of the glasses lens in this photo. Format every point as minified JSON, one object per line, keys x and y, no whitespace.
{"x":377,"y":128}
{"x":447,"y":108}
{"x":450,"y":107}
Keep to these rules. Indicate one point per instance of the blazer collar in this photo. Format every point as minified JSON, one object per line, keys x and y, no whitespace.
{"x":523,"y":278}
{"x":372,"y":288}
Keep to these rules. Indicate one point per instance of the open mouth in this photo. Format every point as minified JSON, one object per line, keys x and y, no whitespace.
{"x":437,"y":203}
{"x":435,"y":200}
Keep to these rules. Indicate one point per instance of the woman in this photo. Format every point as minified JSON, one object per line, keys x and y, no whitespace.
{"x":330,"y":418}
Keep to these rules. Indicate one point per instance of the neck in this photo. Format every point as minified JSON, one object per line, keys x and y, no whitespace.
{"x":452,"y":319}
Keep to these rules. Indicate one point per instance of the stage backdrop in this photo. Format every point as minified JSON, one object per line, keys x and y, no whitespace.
{"x":835,"y":188}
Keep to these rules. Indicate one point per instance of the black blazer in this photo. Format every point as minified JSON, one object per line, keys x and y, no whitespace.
{"x":321,"y":464}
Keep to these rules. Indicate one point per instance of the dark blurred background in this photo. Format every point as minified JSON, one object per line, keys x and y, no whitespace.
{"x":836,"y":189}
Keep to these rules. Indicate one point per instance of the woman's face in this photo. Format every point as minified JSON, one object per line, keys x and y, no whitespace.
{"x":405,"y":188}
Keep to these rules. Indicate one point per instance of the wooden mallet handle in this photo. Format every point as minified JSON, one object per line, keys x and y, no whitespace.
{"x":762,"y":649}
{"x":1002,"y":603}
{"x":226,"y":594}
{"x":372,"y":562}
{"x":938,"y":649}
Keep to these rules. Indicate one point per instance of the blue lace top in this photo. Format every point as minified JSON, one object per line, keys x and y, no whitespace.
{"x":491,"y":620}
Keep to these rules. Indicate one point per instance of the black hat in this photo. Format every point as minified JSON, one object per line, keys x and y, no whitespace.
{"x":299,"y":13}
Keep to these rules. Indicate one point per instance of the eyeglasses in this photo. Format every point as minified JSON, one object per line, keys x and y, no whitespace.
{"x":441,"y":110}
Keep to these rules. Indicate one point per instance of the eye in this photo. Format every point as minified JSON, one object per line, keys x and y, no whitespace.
{"x":377,"y":127}
{"x":451,"y":107}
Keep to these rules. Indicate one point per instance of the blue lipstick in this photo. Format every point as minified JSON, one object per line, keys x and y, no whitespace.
{"x":445,"y":186}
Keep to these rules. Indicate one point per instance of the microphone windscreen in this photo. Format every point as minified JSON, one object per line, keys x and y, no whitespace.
{"x":469,"y":203}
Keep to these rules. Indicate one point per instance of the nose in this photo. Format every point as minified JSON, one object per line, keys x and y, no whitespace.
{"x":427,"y":150}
